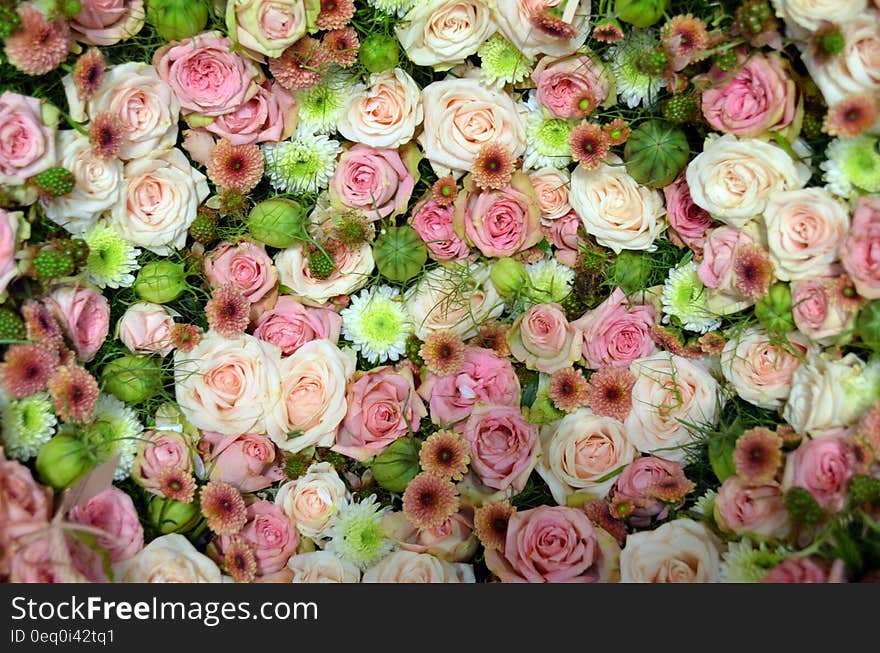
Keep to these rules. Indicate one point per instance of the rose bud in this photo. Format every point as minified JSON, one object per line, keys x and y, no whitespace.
{"x":170,"y":516}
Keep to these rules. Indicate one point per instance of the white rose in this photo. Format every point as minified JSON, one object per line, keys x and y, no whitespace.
{"x":159,"y":201}
{"x":759,"y":371}
{"x":804,"y":230}
{"x":322,"y":567}
{"x":98,"y":182}
{"x":442,"y":33}
{"x":615,"y":209}
{"x":680,"y":551}
{"x":551,"y":186}
{"x":411,"y":567}
{"x":460,"y":116}
{"x":811,"y":14}
{"x":311,"y":500}
{"x":670,"y":396}
{"x":733,"y":178}
{"x":352,"y":271}
{"x":857,"y":68}
{"x":385,"y":113}
{"x":827,"y":393}
{"x":514,"y":21}
{"x":228,"y":385}
{"x":579,"y":450}
{"x":144,"y":105}
{"x":146,"y":328}
{"x":456,"y":299}
{"x":168,"y":559}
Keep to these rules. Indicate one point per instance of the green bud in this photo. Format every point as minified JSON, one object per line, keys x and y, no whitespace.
{"x":655,"y":153}
{"x":395,"y":467}
{"x":379,"y":52}
{"x":160,"y":281}
{"x":170,"y":516}
{"x":132,"y":379}
{"x":640,"y":13}
{"x":868,"y":325}
{"x":509,"y":276}
{"x":69,"y":8}
{"x":774,"y":309}
{"x":62,"y":461}
{"x":176,"y":20}
{"x":631,"y":270}
{"x":278,"y":222}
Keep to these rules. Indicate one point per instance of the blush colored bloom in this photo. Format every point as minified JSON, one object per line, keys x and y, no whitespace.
{"x":40,"y":45}
{"x":223,"y":507}
{"x":445,"y":454}
{"x":74,"y":392}
{"x":235,"y":167}
{"x":429,"y":500}
{"x":27,"y":368}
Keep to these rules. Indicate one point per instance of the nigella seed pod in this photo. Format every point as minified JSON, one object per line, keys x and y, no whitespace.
{"x":655,"y":153}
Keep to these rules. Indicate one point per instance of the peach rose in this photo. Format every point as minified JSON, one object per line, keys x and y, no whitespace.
{"x":460,"y":116}
{"x":812,"y":14}
{"x":168,"y":559}
{"x":248,"y":461}
{"x":228,"y":385}
{"x":245,"y":265}
{"x":454,"y":540}
{"x":551,"y":187}
{"x":269,"y":116}
{"x":514,"y":22}
{"x":752,"y":511}
{"x":289,"y":325}
{"x":543,"y":339}
{"x":434,"y":225}
{"x":106,"y":22}
{"x":311,"y":500}
{"x":442,"y":33}
{"x":9,"y":225}
{"x":146,"y":328}
{"x":313,"y":396}
{"x":158,"y":450}
{"x":266,"y":26}
{"x":113,"y":512}
{"x":385,"y":113}
{"x":615,"y":209}
{"x":322,"y":567}
{"x":84,"y":314}
{"x":687,"y":221}
{"x":410,"y":567}
{"x":159,"y":201}
{"x":581,"y":450}
{"x":373,"y":181}
{"x":823,"y":467}
{"x":860,"y":251}
{"x":504,"y":446}
{"x":617,"y":331}
{"x":351,"y":272}
{"x":562,"y":82}
{"x":759,"y":370}
{"x":670,"y":394}
{"x":27,"y":142}
{"x":680,"y":551}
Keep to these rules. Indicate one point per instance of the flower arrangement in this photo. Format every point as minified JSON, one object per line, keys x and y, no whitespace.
{"x":440,"y":291}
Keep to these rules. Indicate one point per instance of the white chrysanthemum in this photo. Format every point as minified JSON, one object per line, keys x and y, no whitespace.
{"x":685,"y":298}
{"x":115,"y":429}
{"x":743,"y":562}
{"x":633,"y":86}
{"x":112,"y":259}
{"x":550,"y":280}
{"x":27,"y":424}
{"x":852,"y":163}
{"x":319,"y":108}
{"x":303,"y":164}
{"x":705,"y":505}
{"x":501,"y":62}
{"x":546,"y":138}
{"x":377,"y":324}
{"x":357,"y":535}
{"x":391,"y":7}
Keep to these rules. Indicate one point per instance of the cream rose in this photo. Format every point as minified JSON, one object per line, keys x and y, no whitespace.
{"x":385,"y":113}
{"x":352,"y":271}
{"x":228,"y":385}
{"x":615,"y":209}
{"x":442,"y":33}
{"x":811,"y":14}
{"x":266,"y":26}
{"x":733,"y":178}
{"x":804,"y":230}
{"x":456,"y":299}
{"x":97,"y":184}
{"x":322,"y":567}
{"x":146,"y":328}
{"x":144,"y":105}
{"x":460,"y":116}
{"x":411,"y":567}
{"x":311,"y":500}
{"x":680,"y":551}
{"x":514,"y":21}
{"x":760,"y":371}
{"x":551,"y":186}
{"x":670,"y":394}
{"x":168,"y":559}
{"x":579,"y":450}
{"x":159,"y":201}
{"x":312,"y":400}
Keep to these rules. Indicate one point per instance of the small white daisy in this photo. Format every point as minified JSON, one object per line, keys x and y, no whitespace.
{"x":357,"y":535}
{"x":377,"y":324}
{"x":633,"y":86}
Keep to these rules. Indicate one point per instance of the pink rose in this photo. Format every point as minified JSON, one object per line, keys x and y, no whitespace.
{"x":756,"y":511}
{"x":543,"y":339}
{"x":564,"y":82}
{"x":761,"y":96}
{"x":563,"y":235}
{"x":636,"y":484}
{"x":113,"y":512}
{"x":822,"y":466}
{"x":860,"y":251}
{"x":157,"y":451}
{"x":453,"y":540}
{"x":548,"y":544}
{"x":551,"y":187}
{"x":433,"y":223}
{"x":27,"y":144}
{"x":206,"y":75}
{"x":146,"y":328}
{"x":617,"y":332}
{"x":105,"y":22}
{"x":382,"y":406}
{"x":85,"y":316}
{"x":248,"y":461}
{"x":499,"y":222}
{"x":760,"y":369}
{"x":244,"y":265}
{"x":9,"y":247}
{"x":805,"y":570}
{"x":504,"y":446}
{"x":269,"y":116}
{"x":44,"y":554}
{"x":22,"y":499}
{"x":716,"y":268}
{"x":817,"y":313}
{"x":270,"y":534}
{"x":289,"y":325}
{"x":484,"y":377}
{"x":375,"y":181}
{"x":687,"y":221}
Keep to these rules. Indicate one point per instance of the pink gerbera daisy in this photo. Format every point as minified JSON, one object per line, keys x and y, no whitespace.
{"x":106,"y":134}
{"x":301,"y":65}
{"x":852,"y":116}
{"x":228,"y":311}
{"x":74,"y":392}
{"x":223,"y":507}
{"x":610,"y":391}
{"x":589,"y":144}
{"x":342,"y":46}
{"x":568,"y":389}
{"x":429,"y":500}
{"x":335,"y":14}
{"x":27,"y":368}
{"x":240,"y":561}
{"x":490,"y":524}
{"x":235,"y":167}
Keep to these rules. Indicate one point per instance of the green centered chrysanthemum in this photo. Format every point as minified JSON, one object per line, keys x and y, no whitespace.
{"x":357,"y":535}
{"x":392,"y":7}
{"x":546,"y":138}
{"x":114,"y":429}
{"x":743,"y":562}
{"x":111,"y":260}
{"x":686,"y":300}
{"x":377,"y":324}
{"x":633,"y":86}
{"x":319,"y":107}
{"x":27,"y":424}
{"x":303,"y":164}
{"x":550,"y":280}
{"x":501,"y":61}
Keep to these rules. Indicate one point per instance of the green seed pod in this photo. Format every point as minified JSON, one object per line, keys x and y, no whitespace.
{"x":170,"y":516}
{"x":774,"y":309}
{"x":160,"y":281}
{"x":379,"y":52}
{"x":640,"y":13}
{"x":400,"y":253}
{"x":655,"y":153}
{"x":278,"y":222}
{"x":176,"y":20}
{"x":132,"y":379}
{"x":395,"y":467}
{"x":62,"y":461}
{"x":631,"y":270}
{"x":868,"y":325}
